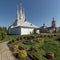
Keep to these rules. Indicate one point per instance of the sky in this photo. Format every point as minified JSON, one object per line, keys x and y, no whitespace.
{"x":38,"y":12}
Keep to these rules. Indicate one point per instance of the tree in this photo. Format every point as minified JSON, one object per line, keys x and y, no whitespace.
{"x":3,"y":33}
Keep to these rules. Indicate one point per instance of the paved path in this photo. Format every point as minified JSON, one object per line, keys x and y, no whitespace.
{"x":5,"y":53}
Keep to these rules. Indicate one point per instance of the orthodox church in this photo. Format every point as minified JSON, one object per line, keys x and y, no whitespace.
{"x":45,"y":29}
{"x":20,"y":25}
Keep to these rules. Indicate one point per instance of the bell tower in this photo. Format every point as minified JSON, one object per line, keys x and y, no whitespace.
{"x":53,"y":25}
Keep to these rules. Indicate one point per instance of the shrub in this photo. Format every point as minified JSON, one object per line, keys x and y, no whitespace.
{"x":28,"y":38}
{"x":58,"y":38}
{"x":50,"y":55}
{"x":32,"y":57}
{"x":32,"y":48}
{"x":15,"y":47}
{"x":22,"y":54}
{"x":32,"y":37}
{"x":17,"y":39}
{"x":27,"y":42}
{"x":13,"y":40}
{"x":3,"y":35}
{"x":20,"y":48}
{"x":55,"y":35}
{"x":20,"y":38}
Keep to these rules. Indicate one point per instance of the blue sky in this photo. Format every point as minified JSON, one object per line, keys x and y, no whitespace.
{"x":38,"y":12}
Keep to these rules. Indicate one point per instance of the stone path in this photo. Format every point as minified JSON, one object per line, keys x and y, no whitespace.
{"x":5,"y":53}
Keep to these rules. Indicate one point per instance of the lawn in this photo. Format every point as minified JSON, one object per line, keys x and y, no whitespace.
{"x":36,"y":46}
{"x":51,"y":45}
{"x":9,"y":37}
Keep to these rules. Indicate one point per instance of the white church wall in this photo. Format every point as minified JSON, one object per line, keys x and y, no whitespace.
{"x":25,"y":31}
{"x":14,"y":31}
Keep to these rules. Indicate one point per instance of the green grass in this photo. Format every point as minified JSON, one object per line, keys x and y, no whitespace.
{"x":9,"y":37}
{"x":51,"y":45}
{"x":41,"y":45}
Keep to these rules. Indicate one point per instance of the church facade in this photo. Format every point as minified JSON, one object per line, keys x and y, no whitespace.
{"x":21,"y":25}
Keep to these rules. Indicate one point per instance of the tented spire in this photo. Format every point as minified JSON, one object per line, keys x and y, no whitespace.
{"x":17,"y":13}
{"x":22,"y":15}
{"x":21,"y":11}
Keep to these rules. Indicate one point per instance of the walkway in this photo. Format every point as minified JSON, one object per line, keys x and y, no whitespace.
{"x":5,"y":53}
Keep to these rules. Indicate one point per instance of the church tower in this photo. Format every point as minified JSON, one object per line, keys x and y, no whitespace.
{"x":17,"y":16}
{"x":17,"y":13}
{"x":53,"y":26}
{"x":53,"y":23}
{"x":21,"y":15}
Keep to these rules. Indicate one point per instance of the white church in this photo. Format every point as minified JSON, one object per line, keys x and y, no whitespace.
{"x":20,"y":25}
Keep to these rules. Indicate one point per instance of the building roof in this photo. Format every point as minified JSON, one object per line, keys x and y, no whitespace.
{"x":24,"y":24}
